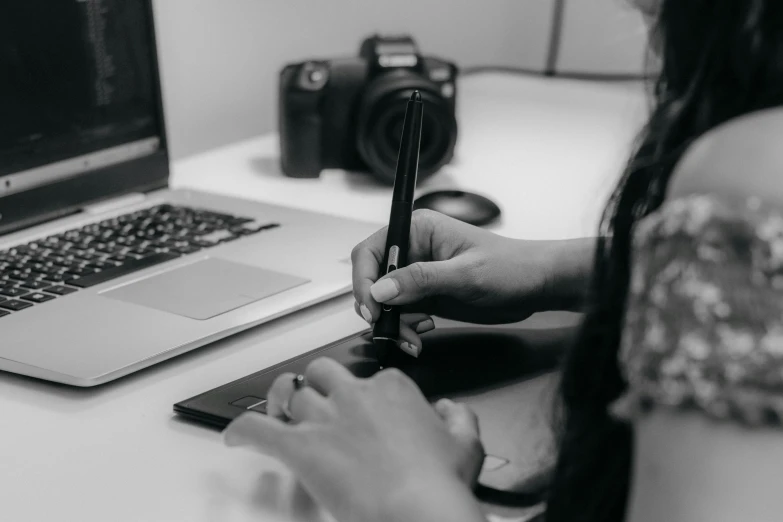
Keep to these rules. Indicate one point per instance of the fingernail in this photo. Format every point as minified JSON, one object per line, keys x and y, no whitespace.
{"x":236,"y":433}
{"x":232,"y":439}
{"x":425,"y":326}
{"x":365,"y":313}
{"x":384,"y":290}
{"x":410,"y":349}
{"x":443,"y":405}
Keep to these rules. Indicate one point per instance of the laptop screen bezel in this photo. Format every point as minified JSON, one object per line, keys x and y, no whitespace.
{"x":61,"y":198}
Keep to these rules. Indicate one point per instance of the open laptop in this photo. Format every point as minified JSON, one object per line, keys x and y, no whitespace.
{"x":103,"y":269}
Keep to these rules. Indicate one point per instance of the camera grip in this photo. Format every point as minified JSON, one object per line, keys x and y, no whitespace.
{"x":300,"y":146}
{"x":299,"y":119}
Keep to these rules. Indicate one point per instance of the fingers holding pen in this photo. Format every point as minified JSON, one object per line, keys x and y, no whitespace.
{"x":419,"y":323}
{"x":418,"y":281}
{"x":409,"y":341}
{"x":411,"y":326}
{"x":366,"y":258}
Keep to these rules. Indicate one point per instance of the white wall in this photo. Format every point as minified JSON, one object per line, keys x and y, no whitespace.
{"x":220,"y":58}
{"x":606,"y":36}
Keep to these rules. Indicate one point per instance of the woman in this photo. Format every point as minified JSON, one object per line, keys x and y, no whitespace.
{"x":673,"y":394}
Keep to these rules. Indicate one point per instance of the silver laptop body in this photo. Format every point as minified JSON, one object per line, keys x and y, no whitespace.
{"x":270,"y":262}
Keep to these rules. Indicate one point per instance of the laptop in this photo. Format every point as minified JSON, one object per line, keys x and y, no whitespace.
{"x":104,"y":270}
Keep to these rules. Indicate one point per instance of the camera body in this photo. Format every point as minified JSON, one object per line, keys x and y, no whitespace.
{"x":348,"y":113}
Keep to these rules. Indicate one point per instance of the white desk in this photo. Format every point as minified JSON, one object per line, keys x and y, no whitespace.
{"x":546,"y":151}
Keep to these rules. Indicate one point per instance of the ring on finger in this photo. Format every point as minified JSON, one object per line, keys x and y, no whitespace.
{"x":299,"y":383}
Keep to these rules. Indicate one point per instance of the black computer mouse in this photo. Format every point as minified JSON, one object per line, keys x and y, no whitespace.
{"x":465,"y":206}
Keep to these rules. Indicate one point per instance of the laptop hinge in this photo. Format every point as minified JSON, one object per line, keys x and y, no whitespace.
{"x":115,"y":203}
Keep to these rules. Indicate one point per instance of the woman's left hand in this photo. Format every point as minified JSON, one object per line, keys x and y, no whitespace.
{"x":367,"y":449}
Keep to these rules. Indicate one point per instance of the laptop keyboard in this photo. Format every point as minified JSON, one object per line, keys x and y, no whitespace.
{"x":62,"y":264}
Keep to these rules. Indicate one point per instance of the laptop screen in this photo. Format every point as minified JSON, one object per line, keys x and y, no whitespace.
{"x":78,"y":89}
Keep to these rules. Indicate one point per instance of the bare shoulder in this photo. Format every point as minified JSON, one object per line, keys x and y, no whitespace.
{"x":741,"y":158}
{"x":692,"y":469}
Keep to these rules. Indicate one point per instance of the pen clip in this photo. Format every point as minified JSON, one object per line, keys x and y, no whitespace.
{"x":393,"y":259}
{"x":391,"y":266}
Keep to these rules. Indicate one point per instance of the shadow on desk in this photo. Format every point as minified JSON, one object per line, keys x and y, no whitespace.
{"x":359,"y":182}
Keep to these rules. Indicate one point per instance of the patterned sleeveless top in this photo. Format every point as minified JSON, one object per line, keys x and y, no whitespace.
{"x":704,"y":318}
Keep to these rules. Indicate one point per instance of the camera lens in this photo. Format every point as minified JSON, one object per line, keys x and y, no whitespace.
{"x":430,"y":137}
{"x":381,"y":117}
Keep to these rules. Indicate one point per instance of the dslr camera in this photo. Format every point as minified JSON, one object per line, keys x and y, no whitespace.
{"x":348,"y":113}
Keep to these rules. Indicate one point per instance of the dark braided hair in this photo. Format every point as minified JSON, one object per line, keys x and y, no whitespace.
{"x":719,"y":59}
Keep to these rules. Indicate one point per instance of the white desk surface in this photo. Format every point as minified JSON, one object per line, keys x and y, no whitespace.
{"x":548,"y":151}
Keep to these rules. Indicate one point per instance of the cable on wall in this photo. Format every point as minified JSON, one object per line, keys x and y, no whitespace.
{"x":555,"y":37}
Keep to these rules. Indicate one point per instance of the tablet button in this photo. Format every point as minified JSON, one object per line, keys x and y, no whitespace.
{"x":247,"y":402}
{"x":259,"y":407}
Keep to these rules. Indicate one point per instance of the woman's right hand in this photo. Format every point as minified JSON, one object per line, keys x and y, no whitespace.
{"x":455,"y":271}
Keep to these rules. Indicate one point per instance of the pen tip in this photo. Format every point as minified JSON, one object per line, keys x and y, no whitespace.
{"x":416,"y":96}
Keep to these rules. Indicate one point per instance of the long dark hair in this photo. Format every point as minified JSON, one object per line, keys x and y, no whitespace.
{"x":719,"y":59}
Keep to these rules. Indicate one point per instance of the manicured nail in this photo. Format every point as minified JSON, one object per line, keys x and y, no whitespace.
{"x":425,"y":326}
{"x":232,"y":439}
{"x":237,"y":433}
{"x":384,"y":290}
{"x":365,"y":313}
{"x":410,"y":349}
{"x":446,"y":403}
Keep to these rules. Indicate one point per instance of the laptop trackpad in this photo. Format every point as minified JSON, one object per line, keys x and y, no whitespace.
{"x":206,"y":288}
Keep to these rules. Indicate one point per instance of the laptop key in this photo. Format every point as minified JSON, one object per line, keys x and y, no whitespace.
{"x":80,"y":271}
{"x":114,"y":247}
{"x":220,"y":235}
{"x":203,"y":244}
{"x":60,"y":290}
{"x":14,"y":305}
{"x":45,"y":268}
{"x":34,"y":284}
{"x":122,"y":270}
{"x":88,"y":256}
{"x":187,"y":249}
{"x":12,"y":291}
{"x":120,"y":259}
{"x":103,"y":265}
{"x":141,"y":251}
{"x":3,"y":313}
{"x":19,"y":275}
{"x":38,"y":297}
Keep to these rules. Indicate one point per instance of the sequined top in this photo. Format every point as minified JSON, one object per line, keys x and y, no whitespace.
{"x":704,"y":318}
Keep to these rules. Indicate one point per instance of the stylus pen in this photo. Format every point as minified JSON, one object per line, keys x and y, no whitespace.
{"x":386,"y":333}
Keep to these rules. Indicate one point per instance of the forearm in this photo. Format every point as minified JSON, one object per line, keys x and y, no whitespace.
{"x":433,"y":501}
{"x":570,"y":272}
